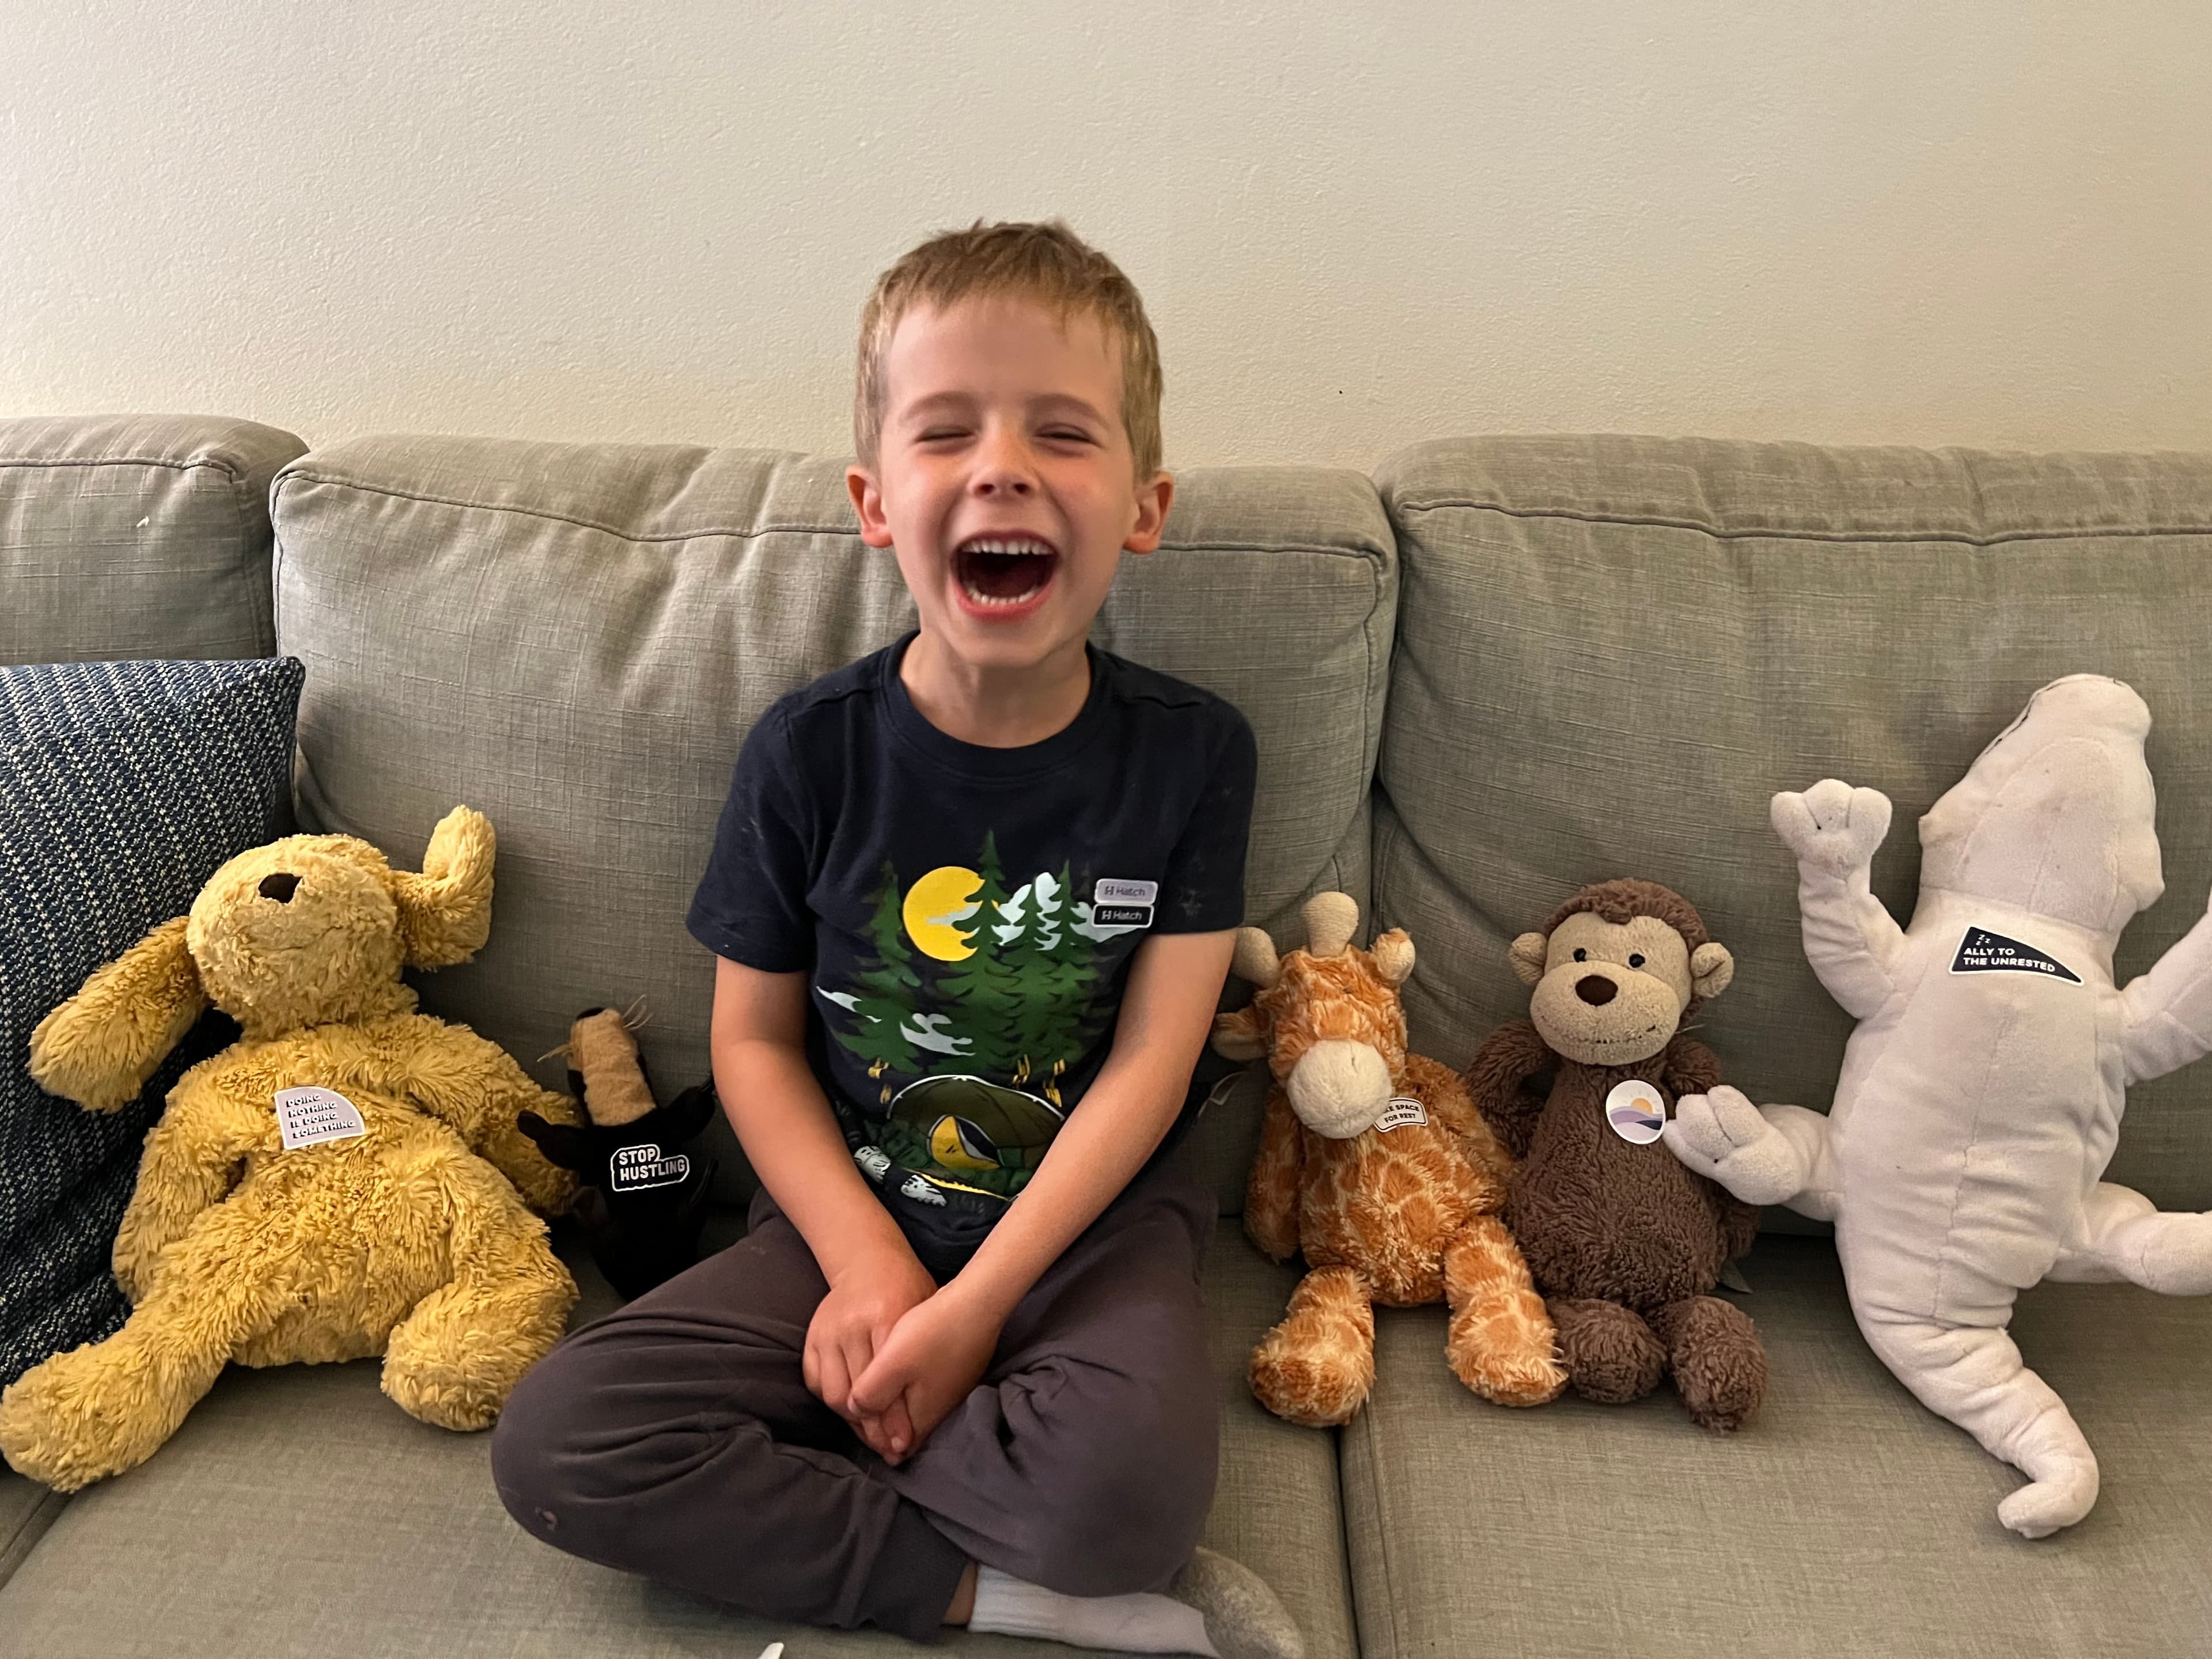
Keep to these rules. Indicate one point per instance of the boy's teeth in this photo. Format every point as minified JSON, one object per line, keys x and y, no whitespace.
{"x":1002,"y":544}
{"x":989,"y":567}
{"x":977,"y":595}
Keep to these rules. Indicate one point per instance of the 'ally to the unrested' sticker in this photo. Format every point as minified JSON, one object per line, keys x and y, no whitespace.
{"x":1635,"y":1112}
{"x":310,"y":1116}
{"x":1981,"y":951}
{"x":632,"y":1169}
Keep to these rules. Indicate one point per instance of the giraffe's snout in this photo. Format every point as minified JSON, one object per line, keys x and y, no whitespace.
{"x":1339,"y":1088}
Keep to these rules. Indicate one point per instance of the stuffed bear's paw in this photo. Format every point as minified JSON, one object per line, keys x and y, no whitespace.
{"x":80,"y":1418}
{"x":1831,"y":826}
{"x":1725,"y":1138}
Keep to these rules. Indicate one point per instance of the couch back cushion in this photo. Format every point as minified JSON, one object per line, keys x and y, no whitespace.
{"x":1612,"y":650}
{"x":136,"y":535}
{"x":575,"y":639}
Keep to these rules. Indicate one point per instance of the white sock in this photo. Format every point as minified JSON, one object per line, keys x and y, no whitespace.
{"x":1132,"y":1623}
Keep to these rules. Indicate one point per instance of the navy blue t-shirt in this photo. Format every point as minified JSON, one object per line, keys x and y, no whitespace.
{"x":966,"y":915}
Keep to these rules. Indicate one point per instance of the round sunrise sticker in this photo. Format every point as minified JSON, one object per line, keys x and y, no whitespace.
{"x":1636,"y":1112}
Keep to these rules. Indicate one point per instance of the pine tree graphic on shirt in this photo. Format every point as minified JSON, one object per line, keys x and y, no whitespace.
{"x":883,"y":994}
{"x":1052,"y":964}
{"x":996,"y":1010}
{"x":983,"y":983}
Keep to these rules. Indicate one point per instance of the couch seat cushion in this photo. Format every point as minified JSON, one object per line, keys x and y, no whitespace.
{"x":1844,"y":1519}
{"x":575,"y":639}
{"x":1612,"y":651}
{"x":27,"y":1510}
{"x":136,"y":535}
{"x":299,"y":1511}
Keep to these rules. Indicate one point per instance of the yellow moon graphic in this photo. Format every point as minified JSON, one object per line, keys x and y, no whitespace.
{"x":945,"y":895}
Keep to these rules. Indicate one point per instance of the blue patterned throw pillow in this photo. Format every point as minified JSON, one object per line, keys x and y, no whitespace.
{"x":123,"y":787}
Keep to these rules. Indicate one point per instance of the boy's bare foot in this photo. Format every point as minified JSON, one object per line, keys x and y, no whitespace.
{"x":1213,"y":1608}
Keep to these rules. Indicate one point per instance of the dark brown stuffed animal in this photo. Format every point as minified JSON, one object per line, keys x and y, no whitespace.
{"x":1625,"y":1243}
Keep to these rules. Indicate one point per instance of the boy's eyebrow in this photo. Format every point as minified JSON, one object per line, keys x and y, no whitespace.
{"x":1069,"y":401}
{"x":958,"y":401}
{"x":938,"y":403}
{"x":943,"y":403}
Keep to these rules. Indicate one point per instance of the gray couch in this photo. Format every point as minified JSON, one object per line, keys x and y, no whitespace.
{"x":1499,"y":668}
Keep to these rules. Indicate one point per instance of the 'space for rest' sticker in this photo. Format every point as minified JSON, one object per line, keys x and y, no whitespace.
{"x":1402,"y":1111}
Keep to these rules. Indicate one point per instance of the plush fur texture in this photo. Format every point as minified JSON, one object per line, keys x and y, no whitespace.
{"x":1625,"y":1243}
{"x":1403,"y":1215}
{"x":409,"y":1240}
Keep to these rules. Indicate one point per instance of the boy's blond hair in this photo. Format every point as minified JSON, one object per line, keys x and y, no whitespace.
{"x":1044,"y":261}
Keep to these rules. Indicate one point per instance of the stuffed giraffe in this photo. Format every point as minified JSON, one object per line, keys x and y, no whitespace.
{"x":1375,"y":1163}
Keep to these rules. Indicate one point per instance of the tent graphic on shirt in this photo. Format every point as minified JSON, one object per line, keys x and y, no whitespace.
{"x":974,"y":984}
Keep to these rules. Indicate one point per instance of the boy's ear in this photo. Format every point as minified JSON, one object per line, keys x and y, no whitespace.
{"x":99,"y":1047}
{"x":868,"y":505}
{"x":1152,"y":504}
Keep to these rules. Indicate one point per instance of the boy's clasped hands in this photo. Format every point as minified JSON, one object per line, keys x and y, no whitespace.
{"x":893,"y":1353}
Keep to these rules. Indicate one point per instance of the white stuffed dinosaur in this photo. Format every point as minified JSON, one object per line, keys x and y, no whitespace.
{"x":1981,"y":1094}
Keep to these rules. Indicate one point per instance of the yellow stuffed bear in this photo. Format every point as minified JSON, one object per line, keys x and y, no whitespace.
{"x":335,"y":1184}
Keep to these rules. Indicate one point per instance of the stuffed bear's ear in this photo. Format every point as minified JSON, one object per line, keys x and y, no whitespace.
{"x":99,"y":1047}
{"x":444,"y":913}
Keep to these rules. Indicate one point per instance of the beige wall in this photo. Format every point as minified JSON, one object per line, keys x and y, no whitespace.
{"x":1985,"y":221}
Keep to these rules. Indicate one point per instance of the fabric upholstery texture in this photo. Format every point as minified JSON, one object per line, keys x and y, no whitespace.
{"x":1845,"y":1523}
{"x":1612,"y":651}
{"x":27,"y":1510}
{"x":574,"y":640}
{"x":364,"y":1532}
{"x":126,"y":536}
{"x":122,"y":787}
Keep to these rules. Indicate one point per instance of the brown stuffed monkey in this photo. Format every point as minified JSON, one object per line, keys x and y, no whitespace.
{"x":1625,"y":1243}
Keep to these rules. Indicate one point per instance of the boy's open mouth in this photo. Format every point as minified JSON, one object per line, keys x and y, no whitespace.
{"x":999,"y":572}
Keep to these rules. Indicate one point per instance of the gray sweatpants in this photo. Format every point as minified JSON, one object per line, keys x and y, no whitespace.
{"x":675,"y":1438}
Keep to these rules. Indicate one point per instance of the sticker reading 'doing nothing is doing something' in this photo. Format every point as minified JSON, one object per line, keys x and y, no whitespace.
{"x":309,"y":1116}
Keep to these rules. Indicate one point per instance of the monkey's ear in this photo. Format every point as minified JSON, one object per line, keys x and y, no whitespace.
{"x":1711,"y":967}
{"x":1527,"y":955}
{"x":1394,"y":956}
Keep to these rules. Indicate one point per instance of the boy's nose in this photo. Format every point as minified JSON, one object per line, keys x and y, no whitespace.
{"x":1003,"y":467}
